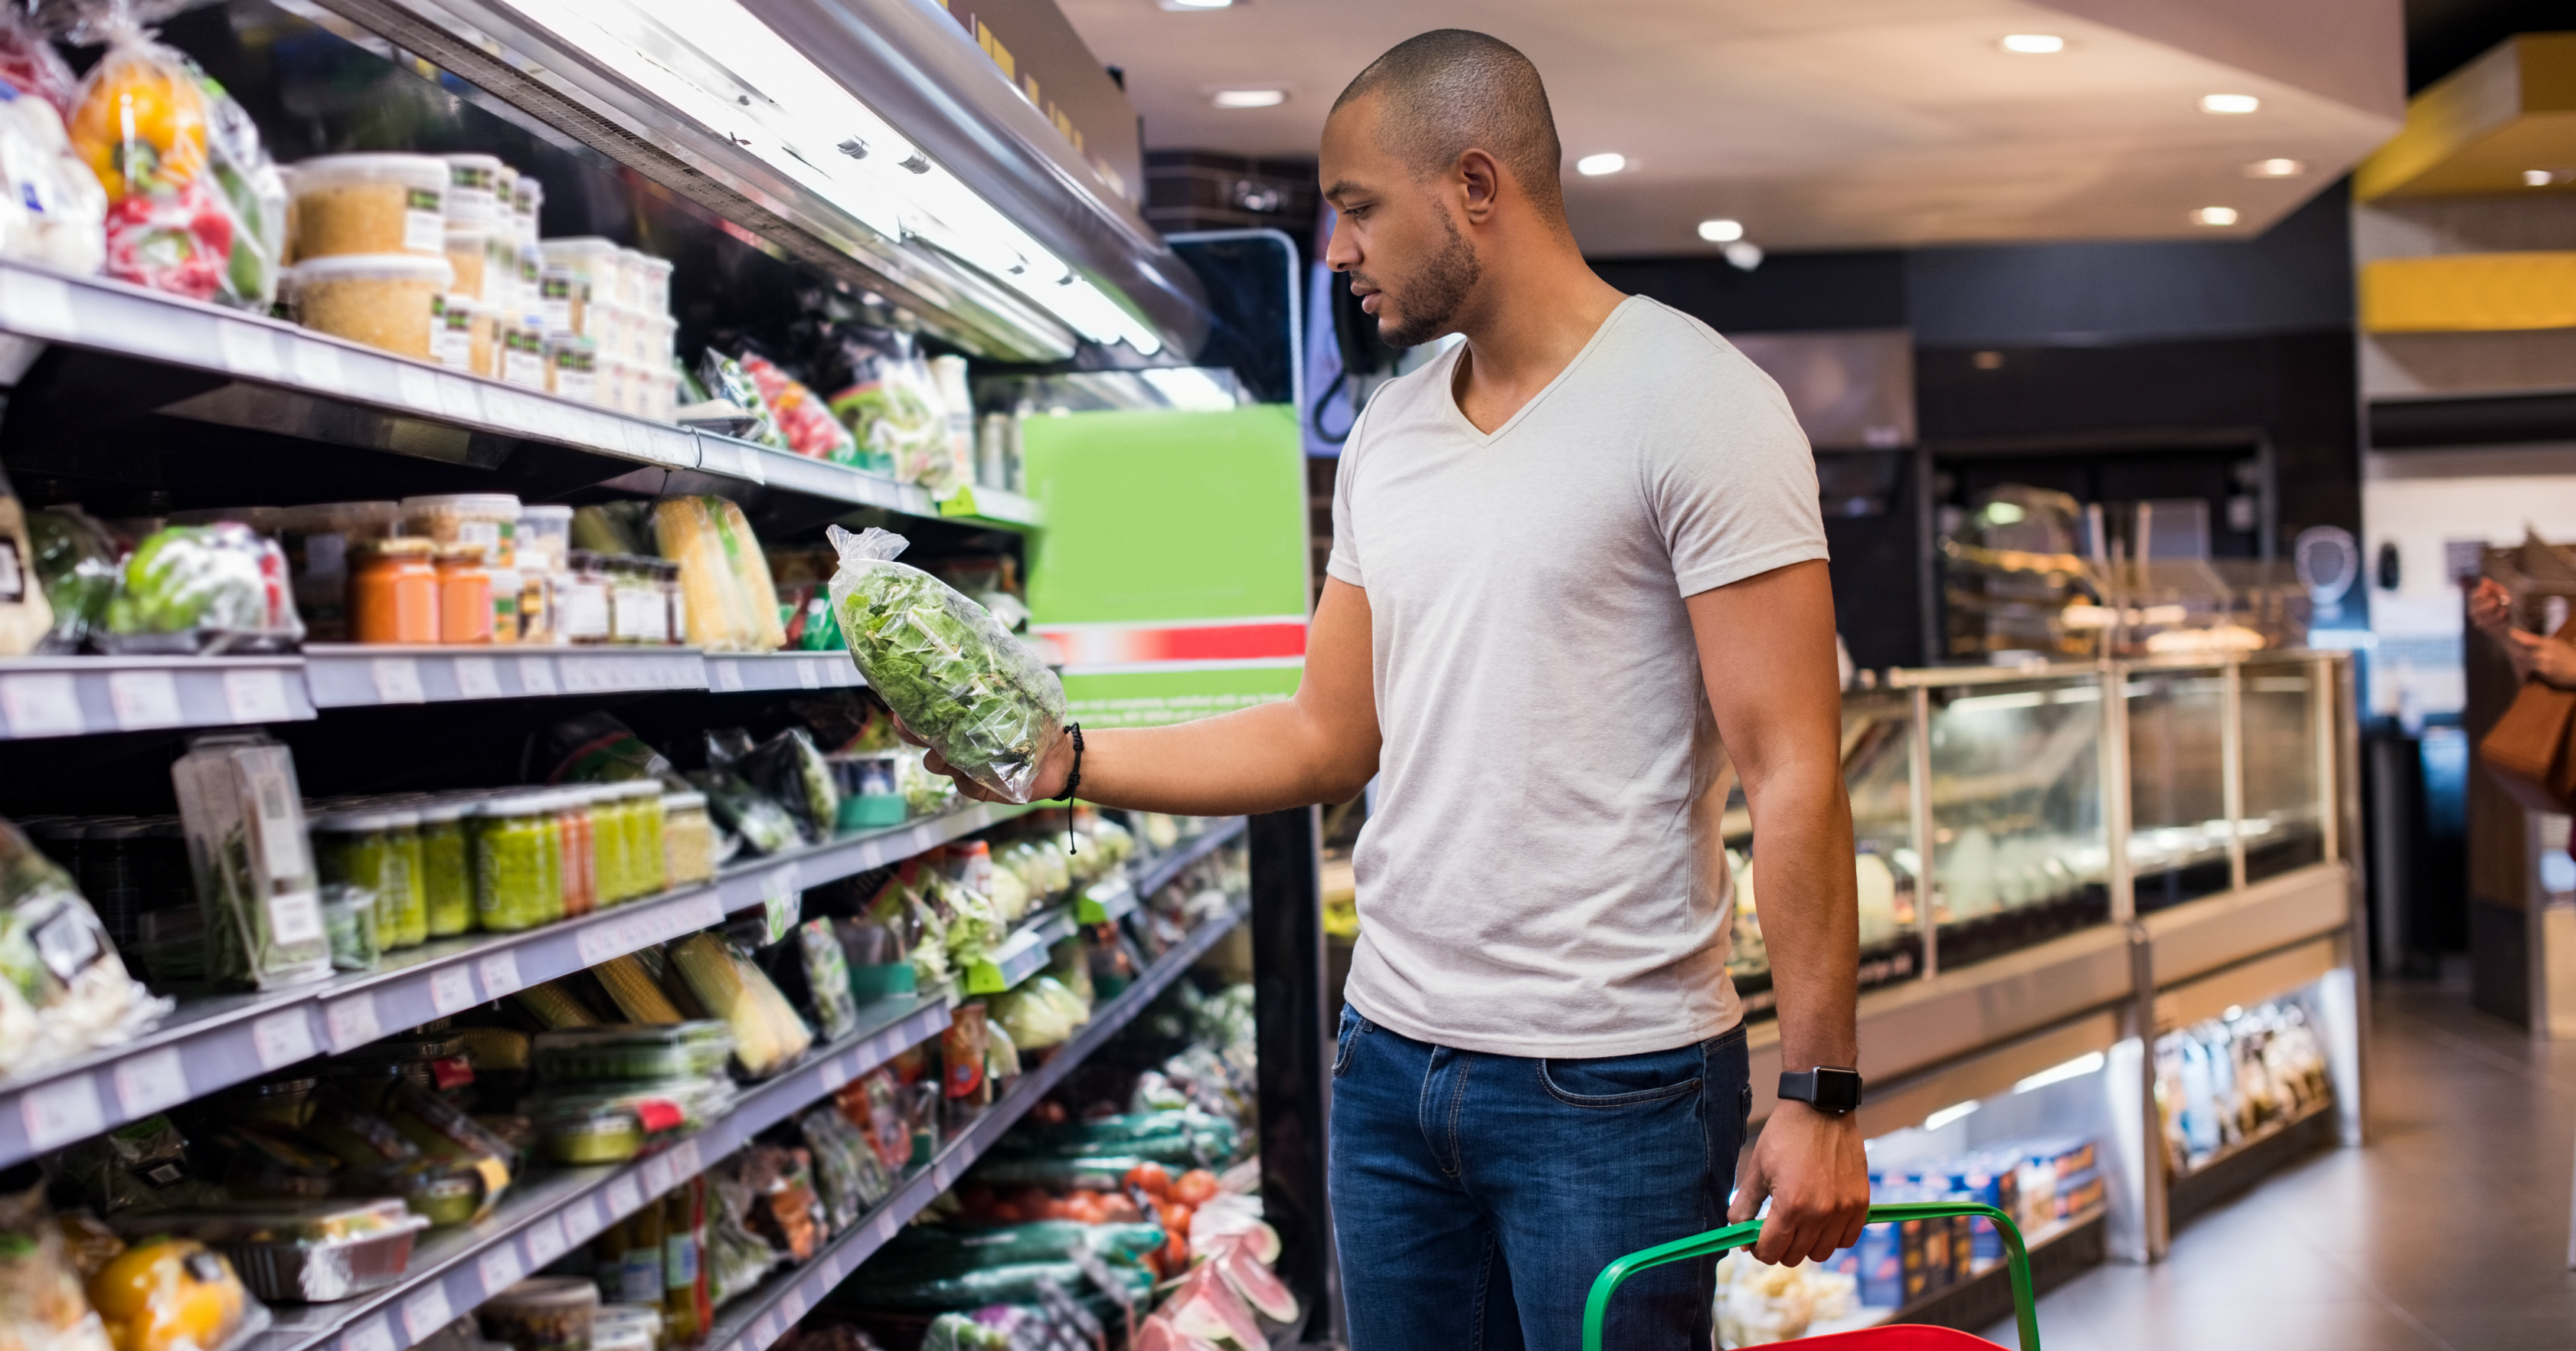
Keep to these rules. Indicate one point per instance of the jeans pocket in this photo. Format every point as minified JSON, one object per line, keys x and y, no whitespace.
{"x":1624,"y":1080}
{"x":1349,"y":1037}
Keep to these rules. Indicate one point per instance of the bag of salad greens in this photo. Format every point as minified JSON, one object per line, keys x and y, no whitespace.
{"x":945,"y":665}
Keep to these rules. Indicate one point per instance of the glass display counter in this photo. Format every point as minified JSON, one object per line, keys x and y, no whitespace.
{"x":2050,"y":808}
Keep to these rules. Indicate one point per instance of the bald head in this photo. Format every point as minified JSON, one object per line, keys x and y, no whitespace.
{"x":1451,"y":90}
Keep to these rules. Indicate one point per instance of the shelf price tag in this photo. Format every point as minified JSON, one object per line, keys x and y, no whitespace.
{"x":371,"y":1335}
{"x":397,"y":680}
{"x":581,"y":1220}
{"x":809,"y":673}
{"x":451,"y":990}
{"x":427,"y":1312}
{"x":419,"y":388}
{"x":143,"y":699}
{"x":317,"y":365}
{"x":500,"y":1269}
{"x":657,"y":1174}
{"x":61,"y":1112}
{"x":684,"y":1160}
{"x":246,"y":350}
{"x":41,"y":705}
{"x":477,"y":678}
{"x":500,"y":974}
{"x":257,"y":694}
{"x":545,"y":1242}
{"x":37,"y":305}
{"x":352,"y":1021}
{"x":623,"y":1199}
{"x":283,"y":1039}
{"x":149,"y":1082}
{"x":536,"y":675}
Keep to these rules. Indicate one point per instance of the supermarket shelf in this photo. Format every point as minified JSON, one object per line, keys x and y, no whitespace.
{"x":276,"y":377}
{"x":452,"y":1273}
{"x":1023,"y":954}
{"x":211,"y":1044}
{"x":352,"y":676}
{"x":742,"y":672}
{"x":1156,"y":872}
{"x":2208,"y":1164}
{"x":1877,"y":1315}
{"x":755,"y":1321}
{"x":77,"y":696}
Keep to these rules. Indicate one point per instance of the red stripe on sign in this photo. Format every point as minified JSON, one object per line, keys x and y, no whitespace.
{"x":1207,"y":642}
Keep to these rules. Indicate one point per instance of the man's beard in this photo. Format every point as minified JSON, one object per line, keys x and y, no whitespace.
{"x":1434,"y":297}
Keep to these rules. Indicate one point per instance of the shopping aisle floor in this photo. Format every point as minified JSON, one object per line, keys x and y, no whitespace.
{"x":2448,"y":1233}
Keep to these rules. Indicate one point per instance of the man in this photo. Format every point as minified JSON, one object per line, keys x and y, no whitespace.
{"x":1577,"y":567}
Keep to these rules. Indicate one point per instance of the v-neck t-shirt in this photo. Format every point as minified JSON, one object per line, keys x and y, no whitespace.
{"x":1542,"y":874}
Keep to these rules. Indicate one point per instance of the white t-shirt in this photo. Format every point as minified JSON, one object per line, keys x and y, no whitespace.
{"x":1543,"y":875}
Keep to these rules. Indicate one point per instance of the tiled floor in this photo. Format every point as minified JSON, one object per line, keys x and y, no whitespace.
{"x":2448,"y":1232}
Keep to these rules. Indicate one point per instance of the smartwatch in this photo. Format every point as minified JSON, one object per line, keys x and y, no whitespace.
{"x":1827,"y":1089}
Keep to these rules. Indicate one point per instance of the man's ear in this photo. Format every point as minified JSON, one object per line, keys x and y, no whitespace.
{"x":1483,"y":180}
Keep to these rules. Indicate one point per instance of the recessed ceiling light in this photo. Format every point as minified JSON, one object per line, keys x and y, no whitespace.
{"x":1196,"y":4}
{"x":2229,"y":103}
{"x":1250,"y":98}
{"x":1721,"y":230}
{"x":2276,"y":168}
{"x":2537,"y":178}
{"x":2214,"y":215}
{"x":1607,"y":162}
{"x":2032,"y":44}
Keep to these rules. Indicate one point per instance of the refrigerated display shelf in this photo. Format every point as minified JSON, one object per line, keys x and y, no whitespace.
{"x":2209,"y":1163}
{"x":1153,"y":874}
{"x":79,"y":696}
{"x":453,"y":1272}
{"x":212,"y":1043}
{"x":277,"y":371}
{"x":1879,"y":1315}
{"x":357,"y":676}
{"x":748,"y":672}
{"x":755,"y":1321}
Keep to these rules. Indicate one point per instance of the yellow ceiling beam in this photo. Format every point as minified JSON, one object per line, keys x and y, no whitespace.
{"x":2469,"y":293}
{"x":2483,"y":127}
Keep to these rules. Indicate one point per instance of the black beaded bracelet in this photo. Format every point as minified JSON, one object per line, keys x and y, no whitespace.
{"x":1072,"y":784}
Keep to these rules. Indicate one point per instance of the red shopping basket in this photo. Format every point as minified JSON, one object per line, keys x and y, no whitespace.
{"x":1895,"y":1337}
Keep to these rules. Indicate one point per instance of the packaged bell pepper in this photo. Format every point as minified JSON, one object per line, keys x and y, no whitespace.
{"x":959,"y":680}
{"x":804,"y":424}
{"x":195,"y":207}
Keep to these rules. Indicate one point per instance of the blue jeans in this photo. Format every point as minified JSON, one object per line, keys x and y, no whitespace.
{"x":1475,"y":1197}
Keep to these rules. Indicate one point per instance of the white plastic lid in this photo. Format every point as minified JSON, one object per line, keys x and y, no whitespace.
{"x":364,"y":819}
{"x":490,"y":164}
{"x":648,"y":262}
{"x":474,"y":506}
{"x":415,"y":267}
{"x":586,"y":253}
{"x":534,"y":512}
{"x":680,"y":802}
{"x":411,"y":171}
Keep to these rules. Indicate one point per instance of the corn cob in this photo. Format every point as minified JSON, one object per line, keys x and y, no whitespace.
{"x":635,"y":994}
{"x":555,"y":1006}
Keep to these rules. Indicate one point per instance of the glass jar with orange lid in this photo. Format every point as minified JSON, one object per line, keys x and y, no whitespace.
{"x":393,"y":591}
{"x":465,"y":595}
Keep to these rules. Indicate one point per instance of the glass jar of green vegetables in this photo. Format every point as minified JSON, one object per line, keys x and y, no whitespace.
{"x":644,"y":807}
{"x":447,"y":864}
{"x":518,"y":868}
{"x":378,"y":849}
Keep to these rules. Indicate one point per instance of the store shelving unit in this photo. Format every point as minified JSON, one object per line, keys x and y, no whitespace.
{"x":82,"y":696}
{"x":756,"y":1320}
{"x":213,"y":1043}
{"x":1990,"y":1279}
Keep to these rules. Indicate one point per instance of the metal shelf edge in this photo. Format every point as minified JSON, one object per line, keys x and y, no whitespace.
{"x":1162,"y":870}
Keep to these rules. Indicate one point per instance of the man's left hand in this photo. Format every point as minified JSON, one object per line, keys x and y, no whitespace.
{"x":1811,"y":1167}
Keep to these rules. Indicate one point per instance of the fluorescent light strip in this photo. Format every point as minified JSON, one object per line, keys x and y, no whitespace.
{"x":1955,"y":1112}
{"x":2077,"y":1068}
{"x":808,"y":116}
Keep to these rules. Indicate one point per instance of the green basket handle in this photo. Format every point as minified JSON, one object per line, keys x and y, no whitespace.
{"x":1596,"y":1309}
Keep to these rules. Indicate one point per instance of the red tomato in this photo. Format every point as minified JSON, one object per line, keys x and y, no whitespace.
{"x":1194,"y":1187}
{"x":1032,"y":1201}
{"x":1150,"y":1178}
{"x":1085,"y":1208}
{"x":1003,"y":1212}
{"x":1176,"y":1256}
{"x":1116,"y":1208}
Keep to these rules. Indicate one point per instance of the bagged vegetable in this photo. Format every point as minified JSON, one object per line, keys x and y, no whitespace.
{"x":41,"y":1304}
{"x":76,"y":562}
{"x":204,"y":589}
{"x":1040,"y":1013}
{"x":725,"y":379}
{"x":31,"y":65}
{"x":805,"y":426}
{"x":52,"y":210}
{"x":244,"y":819}
{"x":889,"y":404}
{"x":978,"y":695}
{"x":25,"y":615}
{"x":194,"y":206}
{"x":788,"y":768}
{"x":766,"y":1031}
{"x":730,"y":602}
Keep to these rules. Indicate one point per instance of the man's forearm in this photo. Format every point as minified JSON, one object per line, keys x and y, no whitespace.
{"x":1255,"y":760}
{"x":1802,"y":868}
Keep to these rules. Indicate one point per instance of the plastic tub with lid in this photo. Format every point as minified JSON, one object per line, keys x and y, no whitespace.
{"x":469,"y":251}
{"x":652,"y":283}
{"x":599,"y":261}
{"x":490,"y":520}
{"x":544,"y":534}
{"x":361,"y":204}
{"x":385,"y":300}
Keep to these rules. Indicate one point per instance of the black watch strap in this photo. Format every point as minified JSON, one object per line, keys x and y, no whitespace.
{"x":1825,"y":1088}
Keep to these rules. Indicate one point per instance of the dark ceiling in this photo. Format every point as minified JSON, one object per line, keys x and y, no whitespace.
{"x":2443,"y":35}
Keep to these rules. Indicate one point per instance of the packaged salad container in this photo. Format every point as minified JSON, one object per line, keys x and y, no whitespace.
{"x":255,"y":880}
{"x":545,"y":1313}
{"x":385,"y":300}
{"x":374,"y":203}
{"x":312,"y":1252}
{"x":633,"y":1051}
{"x":610,"y":1122}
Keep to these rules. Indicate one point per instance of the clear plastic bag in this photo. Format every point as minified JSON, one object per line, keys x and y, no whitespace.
{"x":204,"y":589}
{"x":954,"y":675}
{"x":52,"y":210}
{"x":805,"y":426}
{"x":63,"y":989}
{"x":194,"y":205}
{"x":76,"y":561}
